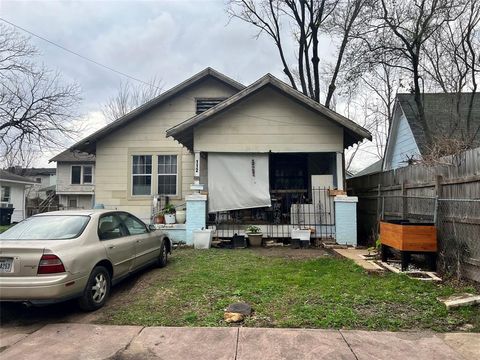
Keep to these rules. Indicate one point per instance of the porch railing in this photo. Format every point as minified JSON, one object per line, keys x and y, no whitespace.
{"x":291,"y":209}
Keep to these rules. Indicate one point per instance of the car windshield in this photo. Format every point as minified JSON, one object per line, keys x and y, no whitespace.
{"x":47,"y":227}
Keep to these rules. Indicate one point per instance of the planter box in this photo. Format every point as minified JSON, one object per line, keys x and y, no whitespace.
{"x":405,"y":236}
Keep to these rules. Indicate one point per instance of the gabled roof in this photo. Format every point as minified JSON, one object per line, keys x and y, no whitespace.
{"x":73,"y":156}
{"x":8,"y":176}
{"x":183,"y":132}
{"x":442,"y":116}
{"x":88,"y":144}
{"x":371,"y":169}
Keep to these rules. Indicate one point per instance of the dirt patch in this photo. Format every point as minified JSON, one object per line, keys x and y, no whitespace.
{"x":16,"y":314}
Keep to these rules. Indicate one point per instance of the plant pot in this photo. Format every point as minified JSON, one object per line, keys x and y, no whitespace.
{"x":255,"y":240}
{"x":159,"y":219}
{"x":170,"y":219}
{"x":181,"y":216}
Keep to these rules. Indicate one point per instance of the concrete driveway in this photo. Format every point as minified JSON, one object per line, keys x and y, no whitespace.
{"x":87,"y":341}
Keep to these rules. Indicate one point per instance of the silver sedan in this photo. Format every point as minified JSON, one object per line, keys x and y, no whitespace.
{"x":61,"y":255}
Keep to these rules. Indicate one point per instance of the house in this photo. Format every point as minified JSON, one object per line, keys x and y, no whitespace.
{"x":13,"y":190}
{"x":446,"y":116}
{"x":75,"y":180}
{"x":45,"y":181}
{"x":370,"y":169}
{"x":257,"y":150}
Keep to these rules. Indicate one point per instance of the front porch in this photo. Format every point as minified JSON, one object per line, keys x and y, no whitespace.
{"x":301,"y":188}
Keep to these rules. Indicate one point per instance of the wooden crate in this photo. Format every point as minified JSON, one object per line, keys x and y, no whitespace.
{"x":409,"y":237}
{"x":333,"y":192}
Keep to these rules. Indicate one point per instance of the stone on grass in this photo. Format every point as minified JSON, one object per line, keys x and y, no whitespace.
{"x":231,"y":317}
{"x":240,"y":307}
{"x":237,"y":312}
{"x":458,"y":300}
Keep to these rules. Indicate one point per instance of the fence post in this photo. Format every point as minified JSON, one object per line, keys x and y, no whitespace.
{"x":404,"y":202}
{"x":438,"y":186}
{"x":377,"y":227}
{"x":438,"y":195}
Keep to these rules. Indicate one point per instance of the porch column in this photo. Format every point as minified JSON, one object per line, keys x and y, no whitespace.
{"x":196,"y":186}
{"x":196,"y":176}
{"x":346,"y":220}
{"x":196,"y":215}
{"x":339,"y":163}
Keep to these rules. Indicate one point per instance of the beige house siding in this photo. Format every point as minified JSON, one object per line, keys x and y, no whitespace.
{"x":146,"y":136}
{"x":268,"y":121}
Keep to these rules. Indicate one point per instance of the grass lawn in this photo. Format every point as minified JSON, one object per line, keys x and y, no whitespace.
{"x":325,"y":292}
{"x":4,"y":227}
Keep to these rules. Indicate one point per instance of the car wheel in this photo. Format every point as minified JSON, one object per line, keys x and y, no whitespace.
{"x":97,"y":290}
{"x":163,"y":257}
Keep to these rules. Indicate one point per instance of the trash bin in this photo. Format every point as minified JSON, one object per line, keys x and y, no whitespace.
{"x":6,"y":215}
{"x":202,"y":239}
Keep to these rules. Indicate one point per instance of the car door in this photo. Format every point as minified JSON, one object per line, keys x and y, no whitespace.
{"x":120,"y":247}
{"x":147,"y":245}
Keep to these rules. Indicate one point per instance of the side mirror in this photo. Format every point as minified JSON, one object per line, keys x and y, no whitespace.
{"x":152,"y":227}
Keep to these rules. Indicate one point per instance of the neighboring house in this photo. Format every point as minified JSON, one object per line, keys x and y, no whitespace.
{"x":45,"y":181}
{"x":371,"y":169}
{"x":13,"y":193}
{"x":75,"y":180}
{"x":445,"y":115}
{"x":249,"y":145}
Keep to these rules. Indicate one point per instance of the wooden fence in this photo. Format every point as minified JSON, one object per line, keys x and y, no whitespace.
{"x":440,"y":193}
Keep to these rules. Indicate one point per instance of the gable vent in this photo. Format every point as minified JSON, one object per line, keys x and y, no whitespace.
{"x":205,"y":104}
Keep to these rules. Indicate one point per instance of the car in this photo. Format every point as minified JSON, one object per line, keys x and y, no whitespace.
{"x":63,"y":255}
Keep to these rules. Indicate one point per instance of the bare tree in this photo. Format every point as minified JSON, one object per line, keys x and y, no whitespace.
{"x":129,"y":97}
{"x":20,"y":160}
{"x":307,"y":21}
{"x":36,"y":107}
{"x":405,"y":28}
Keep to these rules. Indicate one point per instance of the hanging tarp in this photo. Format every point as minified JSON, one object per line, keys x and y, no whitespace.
{"x":237,"y":181}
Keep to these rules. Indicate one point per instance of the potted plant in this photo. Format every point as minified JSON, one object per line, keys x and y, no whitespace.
{"x":169,"y":213}
{"x":159,"y":218}
{"x":254,"y":235}
{"x":181,"y":215}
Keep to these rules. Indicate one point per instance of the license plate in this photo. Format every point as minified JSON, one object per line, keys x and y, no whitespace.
{"x":6,"y":265}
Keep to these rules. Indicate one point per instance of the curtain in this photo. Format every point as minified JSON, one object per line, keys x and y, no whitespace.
{"x":237,"y":181}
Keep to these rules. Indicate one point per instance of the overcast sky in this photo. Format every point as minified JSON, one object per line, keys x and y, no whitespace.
{"x":169,"y":39}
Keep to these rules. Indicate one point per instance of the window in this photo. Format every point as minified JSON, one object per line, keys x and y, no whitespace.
{"x":134,"y":225}
{"x":167,"y":175}
{"x":47,"y":227}
{"x":87,"y":174}
{"x":5,"y":194}
{"x":38,"y":180}
{"x":142,"y":175}
{"x":76,"y":174}
{"x":205,"y":104}
{"x":82,"y":174}
{"x":109,"y":227}
{"x":72,"y":203}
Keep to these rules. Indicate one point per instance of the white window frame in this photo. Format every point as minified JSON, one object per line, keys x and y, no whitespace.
{"x":2,"y":194}
{"x":165,"y":174}
{"x":132,"y":175}
{"x":81,"y":174}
